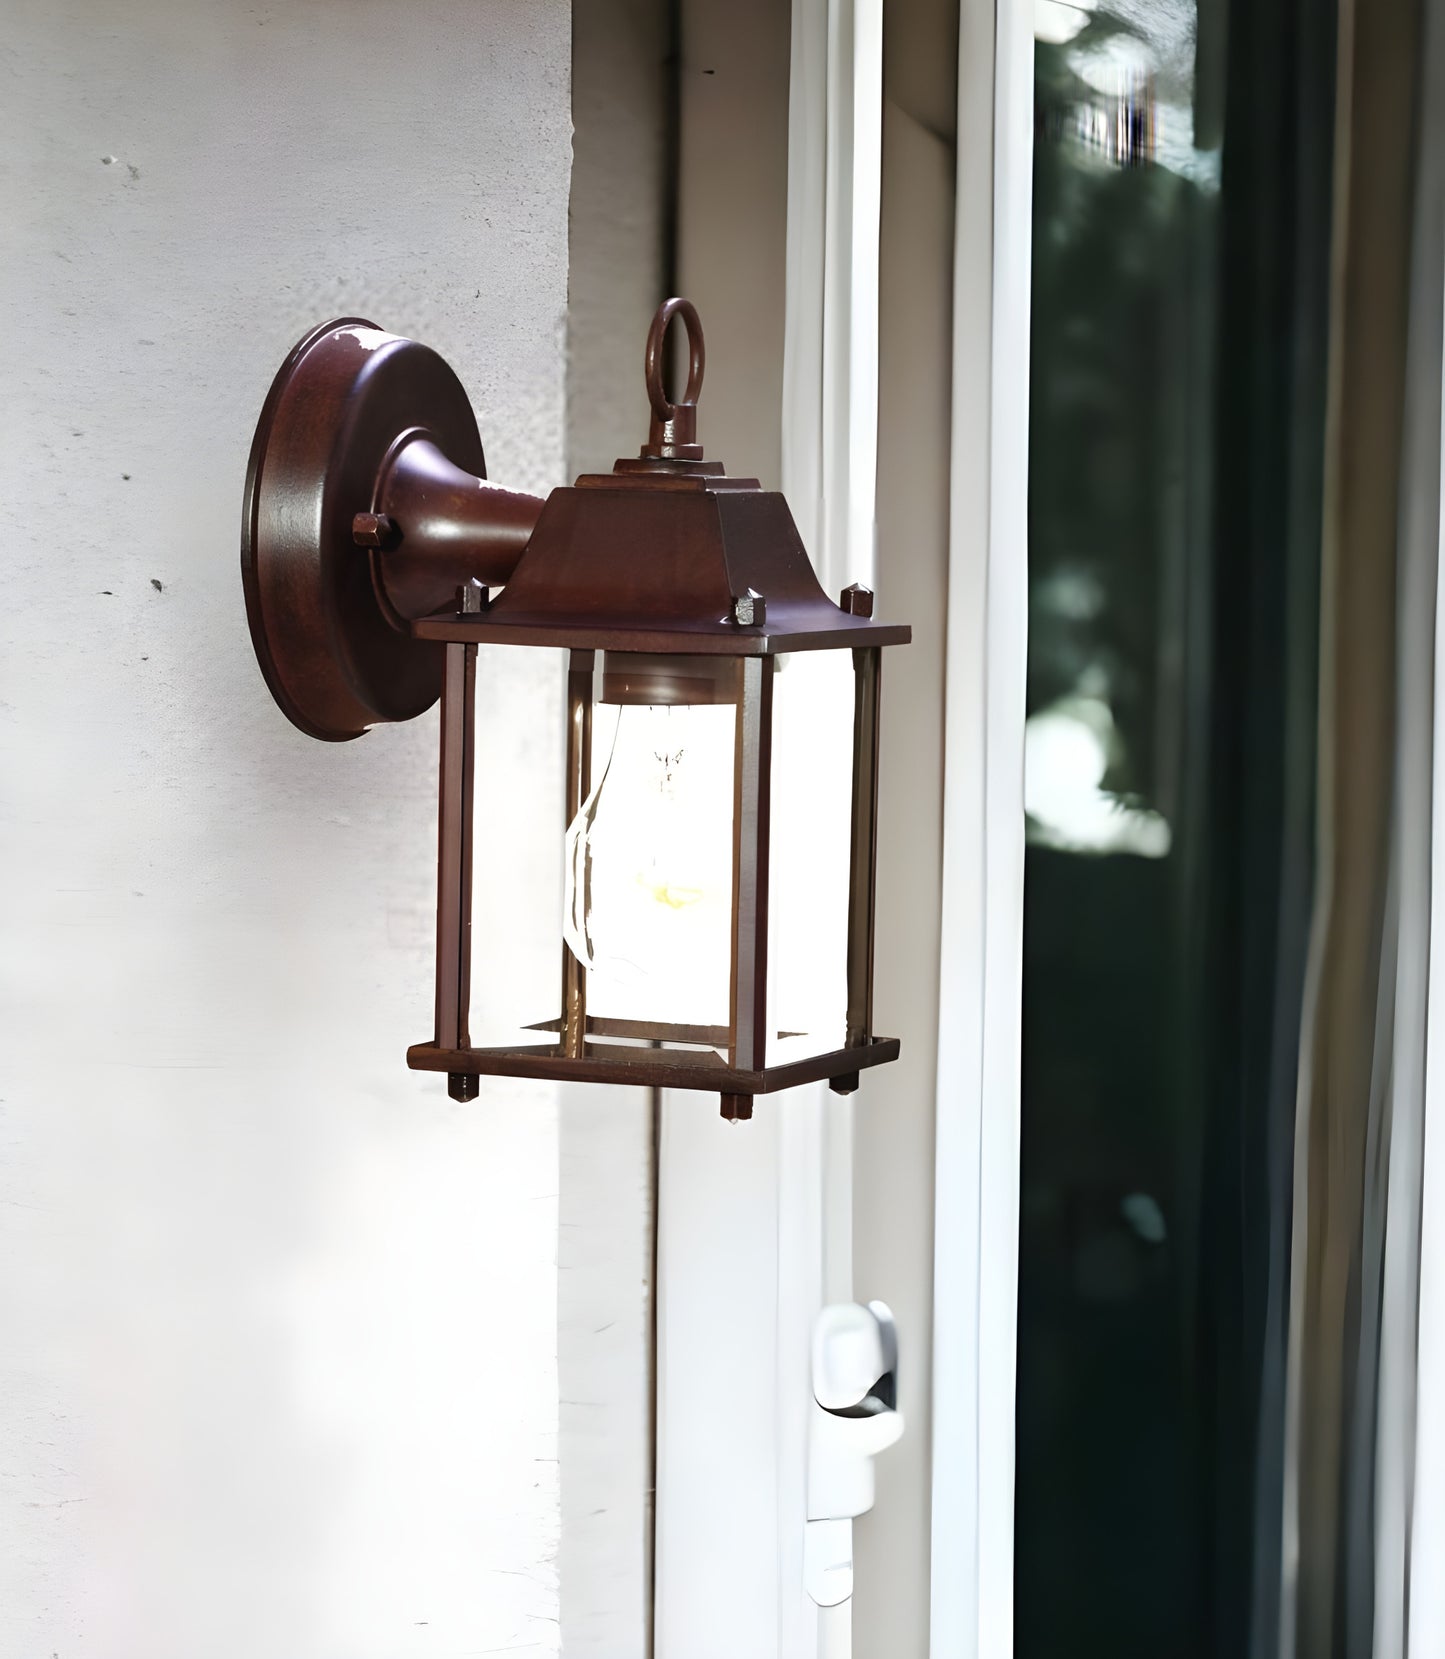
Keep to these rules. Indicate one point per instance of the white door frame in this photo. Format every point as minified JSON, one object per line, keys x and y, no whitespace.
{"x":976,"y":1178}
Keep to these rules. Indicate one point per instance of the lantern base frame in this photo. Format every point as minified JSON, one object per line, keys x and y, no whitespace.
{"x":632,"y":1065}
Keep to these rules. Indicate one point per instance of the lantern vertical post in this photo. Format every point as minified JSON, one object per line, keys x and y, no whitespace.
{"x":454,"y":859}
{"x":579,"y":787}
{"x":752,"y":793}
{"x":863,"y":854}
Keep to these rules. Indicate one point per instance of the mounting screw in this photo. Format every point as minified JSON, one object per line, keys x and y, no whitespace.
{"x":463,"y":1085}
{"x":371,"y":529}
{"x":856,"y":600}
{"x":750,"y":610}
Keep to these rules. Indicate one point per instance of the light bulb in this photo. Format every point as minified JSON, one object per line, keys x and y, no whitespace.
{"x":649,"y":867}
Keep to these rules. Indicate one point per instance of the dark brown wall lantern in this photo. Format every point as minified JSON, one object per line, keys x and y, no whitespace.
{"x":377,"y":558}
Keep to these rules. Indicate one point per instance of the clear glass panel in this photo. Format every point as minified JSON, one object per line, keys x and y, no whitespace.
{"x":647,"y":905}
{"x":1112,"y":1487}
{"x":518,"y":810}
{"x":812,"y":787}
{"x":1179,"y":252}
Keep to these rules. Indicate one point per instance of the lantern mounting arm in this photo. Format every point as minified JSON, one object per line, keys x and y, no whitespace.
{"x":433,"y":527}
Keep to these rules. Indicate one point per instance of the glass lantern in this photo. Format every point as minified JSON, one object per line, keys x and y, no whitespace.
{"x":708,"y":880}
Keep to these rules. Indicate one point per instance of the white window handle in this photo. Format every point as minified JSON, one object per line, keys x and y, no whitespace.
{"x":854,"y":1416}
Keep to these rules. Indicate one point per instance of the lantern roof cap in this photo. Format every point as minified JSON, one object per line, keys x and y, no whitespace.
{"x":668,"y":553}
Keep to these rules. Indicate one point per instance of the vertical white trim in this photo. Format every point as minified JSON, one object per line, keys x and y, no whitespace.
{"x":830,"y":426}
{"x":850,"y":352}
{"x":976,"y":1227}
{"x":1004,"y":852}
{"x":802,"y":413}
{"x":830,"y":358}
{"x":719,"y":1548}
{"x":829,"y":474}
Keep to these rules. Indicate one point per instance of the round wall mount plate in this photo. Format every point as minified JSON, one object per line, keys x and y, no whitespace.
{"x":333,"y":660}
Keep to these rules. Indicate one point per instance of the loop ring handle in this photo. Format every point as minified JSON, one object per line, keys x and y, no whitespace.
{"x":662,"y":407}
{"x":674,"y":425}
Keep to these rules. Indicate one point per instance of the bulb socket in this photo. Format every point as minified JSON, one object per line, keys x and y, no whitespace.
{"x":633,"y":679}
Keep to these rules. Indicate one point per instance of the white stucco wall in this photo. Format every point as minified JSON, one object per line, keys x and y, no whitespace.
{"x":277,"y":1319}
